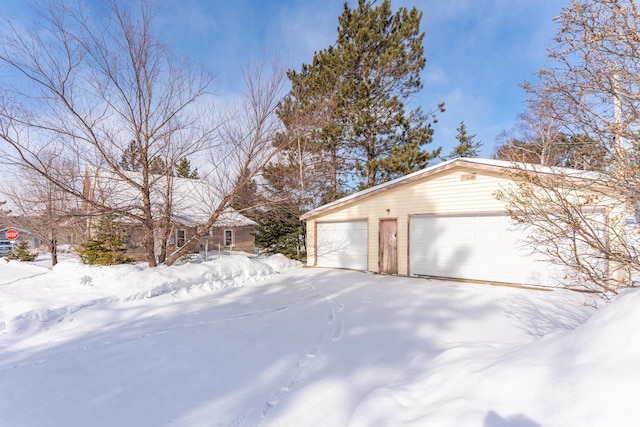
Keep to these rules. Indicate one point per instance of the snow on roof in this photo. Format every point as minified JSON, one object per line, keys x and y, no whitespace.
{"x":193,"y":201}
{"x":499,"y":164}
{"x":531,"y":167}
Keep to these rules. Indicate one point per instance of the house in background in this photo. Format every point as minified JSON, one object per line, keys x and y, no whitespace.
{"x":231,"y":232}
{"x":191,"y":202}
{"x":443,"y":221}
{"x":6,"y":245}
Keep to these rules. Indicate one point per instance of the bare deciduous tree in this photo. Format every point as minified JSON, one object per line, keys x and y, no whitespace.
{"x":247,"y":144}
{"x":592,"y":89}
{"x":304,"y":174}
{"x":85,"y":86}
{"x":43,"y":209}
{"x":536,"y":139}
{"x":4,"y":214}
{"x":573,"y":220}
{"x":540,"y":137}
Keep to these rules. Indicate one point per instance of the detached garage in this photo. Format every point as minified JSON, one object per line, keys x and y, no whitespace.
{"x":443,"y":221}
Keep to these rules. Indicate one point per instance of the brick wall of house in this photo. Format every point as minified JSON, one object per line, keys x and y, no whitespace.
{"x":243,"y":239}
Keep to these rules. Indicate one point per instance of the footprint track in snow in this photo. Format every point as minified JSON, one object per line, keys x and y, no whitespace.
{"x":336,"y":308}
{"x":332,"y":316}
{"x":307,"y":358}
{"x":338,"y":331}
{"x":307,"y":364}
{"x":276,"y":397}
{"x":139,"y":337}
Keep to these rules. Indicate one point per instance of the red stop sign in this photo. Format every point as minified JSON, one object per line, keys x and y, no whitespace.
{"x":12,"y":234}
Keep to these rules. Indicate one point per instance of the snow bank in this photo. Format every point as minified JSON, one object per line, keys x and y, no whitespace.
{"x":596,"y":360}
{"x":579,"y":377}
{"x":308,"y":347}
{"x":13,"y":271}
{"x":279,"y":262}
{"x":27,"y":291}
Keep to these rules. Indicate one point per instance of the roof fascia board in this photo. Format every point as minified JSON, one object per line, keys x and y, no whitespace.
{"x":512,"y":170}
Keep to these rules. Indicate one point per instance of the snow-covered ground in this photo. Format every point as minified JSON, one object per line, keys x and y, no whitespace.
{"x":239,"y":341}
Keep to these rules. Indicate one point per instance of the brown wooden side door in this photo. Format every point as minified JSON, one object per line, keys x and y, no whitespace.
{"x":388,"y":246}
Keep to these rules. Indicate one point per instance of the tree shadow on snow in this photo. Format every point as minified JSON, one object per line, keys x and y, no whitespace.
{"x":494,"y":420}
{"x":242,"y":356}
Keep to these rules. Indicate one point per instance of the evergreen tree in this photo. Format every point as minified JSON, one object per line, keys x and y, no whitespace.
{"x":247,"y":199}
{"x":346,"y":123}
{"x":467,"y":146}
{"x":366,"y":78}
{"x":580,"y":151}
{"x":281,"y":231}
{"x":159,"y":167}
{"x":130,"y":159}
{"x":21,"y":253}
{"x":108,"y":247}
{"x":183,"y":169}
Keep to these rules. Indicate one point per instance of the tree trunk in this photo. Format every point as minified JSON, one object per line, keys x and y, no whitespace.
{"x":148,"y":225}
{"x":162,"y":257}
{"x":165,"y":236}
{"x":54,"y":252}
{"x":149,"y":247}
{"x":371,"y":168}
{"x":334,"y":174}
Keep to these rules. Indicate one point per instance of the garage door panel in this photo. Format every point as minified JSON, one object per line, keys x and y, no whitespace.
{"x":342,"y":244}
{"x":478,"y":247}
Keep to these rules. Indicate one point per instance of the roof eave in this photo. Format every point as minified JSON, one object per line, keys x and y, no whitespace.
{"x":421,"y":174}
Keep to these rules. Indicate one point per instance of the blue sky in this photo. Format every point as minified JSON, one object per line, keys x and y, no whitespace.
{"x":478,"y":51}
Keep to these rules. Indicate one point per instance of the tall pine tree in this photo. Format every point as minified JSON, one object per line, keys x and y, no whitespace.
{"x":347,"y":123}
{"x":367,"y":77}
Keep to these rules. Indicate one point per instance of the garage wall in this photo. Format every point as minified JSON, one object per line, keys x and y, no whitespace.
{"x":459,"y":189}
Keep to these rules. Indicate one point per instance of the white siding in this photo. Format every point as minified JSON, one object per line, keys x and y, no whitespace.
{"x":445,"y":192}
{"x":481,"y":246}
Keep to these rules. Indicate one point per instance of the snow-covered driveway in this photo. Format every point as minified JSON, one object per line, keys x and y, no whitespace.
{"x":303,"y":347}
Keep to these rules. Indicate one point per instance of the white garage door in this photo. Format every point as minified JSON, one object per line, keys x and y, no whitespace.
{"x":478,"y":247}
{"x":342,"y":244}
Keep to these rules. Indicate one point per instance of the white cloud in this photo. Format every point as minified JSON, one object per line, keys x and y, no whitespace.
{"x":434,"y":75}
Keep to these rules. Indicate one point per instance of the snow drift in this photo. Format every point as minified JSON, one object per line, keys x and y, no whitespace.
{"x":244,"y":341}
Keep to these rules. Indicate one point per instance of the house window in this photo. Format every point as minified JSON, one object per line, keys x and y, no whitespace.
{"x":181,"y":237}
{"x":228,"y":237}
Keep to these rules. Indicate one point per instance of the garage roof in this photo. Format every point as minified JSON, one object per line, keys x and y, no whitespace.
{"x":500,"y":166}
